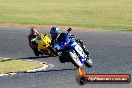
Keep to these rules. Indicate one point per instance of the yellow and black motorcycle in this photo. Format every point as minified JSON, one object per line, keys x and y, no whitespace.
{"x":43,"y":42}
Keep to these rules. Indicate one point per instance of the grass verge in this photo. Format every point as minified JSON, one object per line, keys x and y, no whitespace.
{"x":105,"y":14}
{"x":7,"y":66}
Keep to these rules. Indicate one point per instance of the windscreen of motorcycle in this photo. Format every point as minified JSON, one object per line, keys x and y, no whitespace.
{"x":63,"y":38}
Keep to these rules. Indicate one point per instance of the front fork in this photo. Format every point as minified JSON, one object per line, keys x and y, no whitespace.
{"x":83,"y":47}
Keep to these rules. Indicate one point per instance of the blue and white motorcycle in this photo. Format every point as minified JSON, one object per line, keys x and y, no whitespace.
{"x":72,"y":51}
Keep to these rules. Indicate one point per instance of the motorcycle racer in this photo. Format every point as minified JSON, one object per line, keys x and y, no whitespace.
{"x":33,"y":45}
{"x":55,"y":33}
{"x":70,"y":50}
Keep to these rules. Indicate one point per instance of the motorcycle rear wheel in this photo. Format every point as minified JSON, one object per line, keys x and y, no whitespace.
{"x":36,"y":52}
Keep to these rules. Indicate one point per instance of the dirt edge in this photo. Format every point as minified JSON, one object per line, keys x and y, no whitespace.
{"x":44,"y":26}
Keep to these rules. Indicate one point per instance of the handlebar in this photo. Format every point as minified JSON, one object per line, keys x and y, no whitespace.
{"x":69,"y":29}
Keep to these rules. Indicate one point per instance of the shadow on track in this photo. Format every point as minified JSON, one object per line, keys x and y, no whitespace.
{"x":59,"y":70}
{"x":34,"y":57}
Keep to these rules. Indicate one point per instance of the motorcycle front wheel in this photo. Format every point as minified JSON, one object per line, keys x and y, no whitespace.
{"x":89,"y":63}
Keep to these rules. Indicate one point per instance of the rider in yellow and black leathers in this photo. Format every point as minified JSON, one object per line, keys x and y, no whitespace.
{"x":33,"y":45}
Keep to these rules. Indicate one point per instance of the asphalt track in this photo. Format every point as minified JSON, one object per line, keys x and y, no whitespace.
{"x":111,"y":53}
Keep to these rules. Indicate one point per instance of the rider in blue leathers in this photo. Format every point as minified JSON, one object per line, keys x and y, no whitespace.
{"x":55,"y":33}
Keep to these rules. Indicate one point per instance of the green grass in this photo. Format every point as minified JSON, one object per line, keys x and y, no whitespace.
{"x":111,"y":14}
{"x":17,"y":65}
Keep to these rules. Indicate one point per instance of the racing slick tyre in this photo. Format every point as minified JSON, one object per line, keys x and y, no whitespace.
{"x":36,"y":52}
{"x":89,"y":63}
{"x":64,"y":57}
{"x":61,"y":59}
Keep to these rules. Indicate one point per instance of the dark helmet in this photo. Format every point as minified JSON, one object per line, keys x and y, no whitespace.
{"x":54,"y":32}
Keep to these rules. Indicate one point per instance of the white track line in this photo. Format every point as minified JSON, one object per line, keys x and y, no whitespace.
{"x":44,"y":67}
{"x":6,"y":58}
